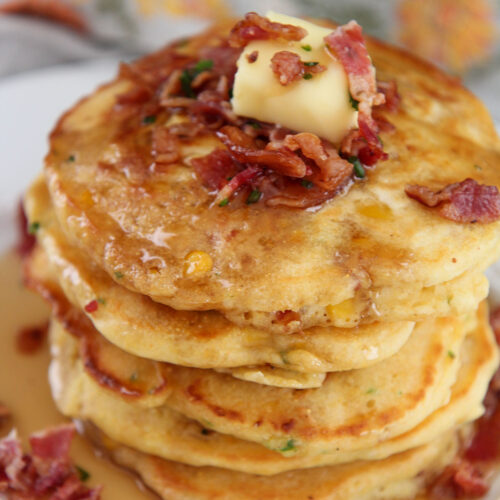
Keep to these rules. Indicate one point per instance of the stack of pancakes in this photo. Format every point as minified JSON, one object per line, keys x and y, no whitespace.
{"x":249,"y":352}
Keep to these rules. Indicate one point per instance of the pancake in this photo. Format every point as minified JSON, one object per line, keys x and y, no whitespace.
{"x":145,"y":223}
{"x":401,"y":476}
{"x":408,"y":304}
{"x":118,"y":408}
{"x":350,"y":411}
{"x":140,"y":326}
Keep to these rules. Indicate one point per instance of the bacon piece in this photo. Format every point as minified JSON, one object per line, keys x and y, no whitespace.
{"x":11,"y":460}
{"x":348,"y":44}
{"x":244,"y":149}
{"x":165,"y":146}
{"x":29,"y":340}
{"x":392,"y":97}
{"x":47,"y":472}
{"x":466,"y":201}
{"x":255,"y":27}
{"x":239,"y":180}
{"x":333,"y":170}
{"x":53,"y":10}
{"x":214,"y":168}
{"x":52,"y":444}
{"x":459,"y":480}
{"x":92,"y":306}
{"x":288,"y":67}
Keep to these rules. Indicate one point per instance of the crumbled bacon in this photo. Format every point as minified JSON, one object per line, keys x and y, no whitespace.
{"x":239,"y":180}
{"x":30,"y":339}
{"x":288,"y":67}
{"x":215,"y":168}
{"x":244,"y":150}
{"x":465,"y":202}
{"x":333,"y":170}
{"x":92,"y":306}
{"x":47,"y":472}
{"x":460,"y":480}
{"x":348,"y":44}
{"x":165,"y":146}
{"x":255,"y":27}
{"x":391,"y":94}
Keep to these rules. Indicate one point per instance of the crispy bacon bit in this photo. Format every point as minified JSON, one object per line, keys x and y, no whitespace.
{"x":53,"y":10}
{"x":244,"y":150}
{"x":47,"y":472}
{"x":288,"y":67}
{"x":29,"y":340}
{"x":26,"y":241}
{"x":239,"y":180}
{"x":92,"y":306}
{"x":215,"y":168}
{"x":392,"y":97}
{"x":465,"y":202}
{"x":255,"y":27}
{"x":165,"y":146}
{"x":285,"y":317}
{"x":333,"y":170}
{"x":253,"y":56}
{"x":460,"y":480}
{"x":348,"y":44}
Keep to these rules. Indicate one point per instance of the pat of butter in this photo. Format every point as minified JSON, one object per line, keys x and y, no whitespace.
{"x":319,"y":105}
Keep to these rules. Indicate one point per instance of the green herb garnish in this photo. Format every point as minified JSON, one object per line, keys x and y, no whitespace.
{"x":82,"y":473}
{"x":311,"y":63}
{"x":451,"y":354}
{"x":371,"y":390}
{"x":230,"y":93}
{"x":354,"y":103}
{"x":290,"y":446}
{"x":134,"y":377}
{"x":71,"y":158}
{"x":478,"y":167}
{"x":33,"y":227}
{"x":148,"y":120}
{"x":307,"y":76}
{"x":307,"y":48}
{"x":254,"y":125}
{"x":188,"y":75}
{"x":359,"y":171}
{"x":118,"y":275}
{"x":101,"y":301}
{"x":224,"y":202}
{"x":254,"y":197}
{"x":307,"y":184}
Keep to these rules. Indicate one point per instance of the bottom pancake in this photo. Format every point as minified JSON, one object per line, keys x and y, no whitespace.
{"x":400,"y":477}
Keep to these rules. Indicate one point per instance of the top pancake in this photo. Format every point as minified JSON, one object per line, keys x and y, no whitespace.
{"x":141,"y":224}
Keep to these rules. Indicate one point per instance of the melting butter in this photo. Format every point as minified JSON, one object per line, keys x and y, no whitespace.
{"x":319,"y":105}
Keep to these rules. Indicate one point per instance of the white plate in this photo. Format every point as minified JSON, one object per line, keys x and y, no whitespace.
{"x":30,"y":104}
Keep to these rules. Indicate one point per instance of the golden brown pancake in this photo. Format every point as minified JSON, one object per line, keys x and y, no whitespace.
{"x":401,"y":476}
{"x":144,"y":224}
{"x":101,"y":389}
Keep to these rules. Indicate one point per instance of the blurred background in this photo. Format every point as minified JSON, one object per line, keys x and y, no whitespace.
{"x":54,"y":51}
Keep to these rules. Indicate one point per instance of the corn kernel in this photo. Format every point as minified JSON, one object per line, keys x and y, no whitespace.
{"x":376,"y":211}
{"x":344,"y":311}
{"x":197,"y":262}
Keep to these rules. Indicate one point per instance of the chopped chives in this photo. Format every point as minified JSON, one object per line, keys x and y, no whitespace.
{"x":254,"y":197}
{"x":359,"y":171}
